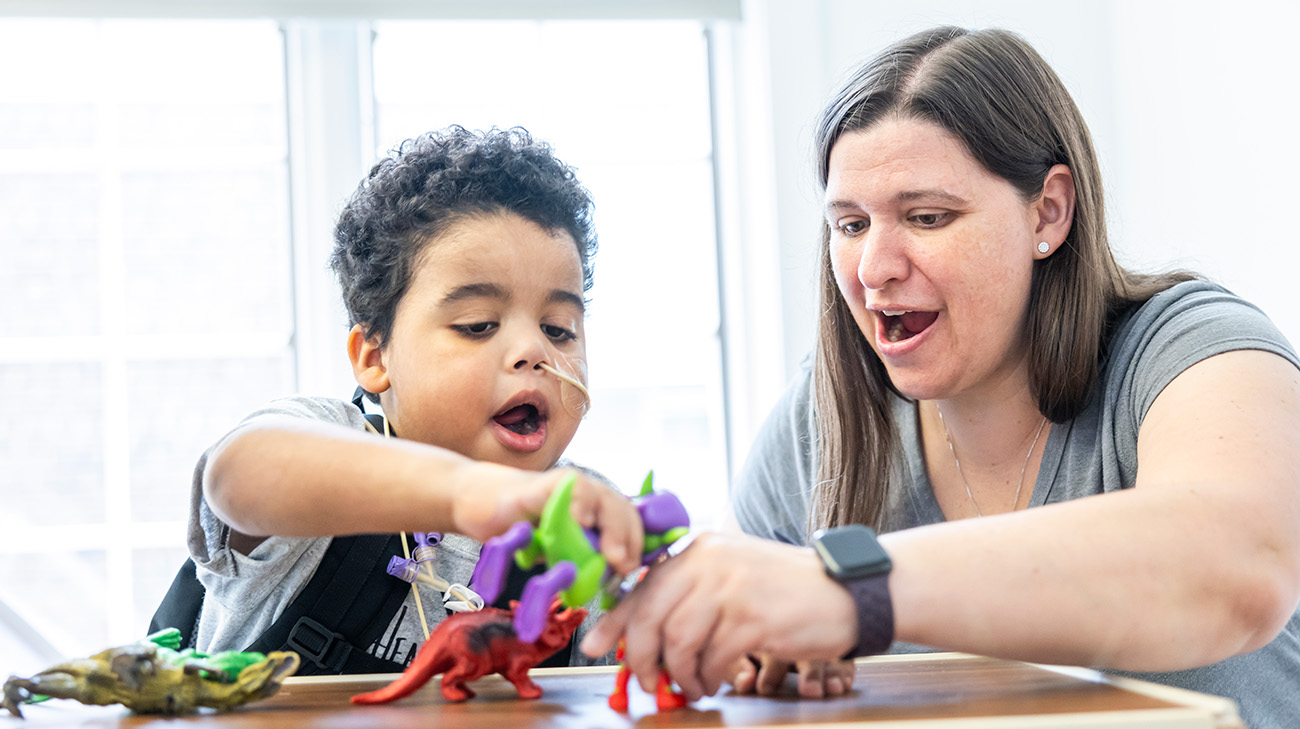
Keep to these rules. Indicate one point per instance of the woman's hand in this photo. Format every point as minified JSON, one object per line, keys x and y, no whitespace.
{"x":723,"y":598}
{"x":817,"y":679}
{"x":492,"y":498}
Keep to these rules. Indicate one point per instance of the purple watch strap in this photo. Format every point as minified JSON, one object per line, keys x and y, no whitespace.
{"x":875,"y":613}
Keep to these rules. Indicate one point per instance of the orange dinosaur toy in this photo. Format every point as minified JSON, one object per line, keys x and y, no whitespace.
{"x":667,"y":697}
{"x":469,"y":645}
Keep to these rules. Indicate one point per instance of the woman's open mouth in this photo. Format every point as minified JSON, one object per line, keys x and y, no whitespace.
{"x":902,"y":325}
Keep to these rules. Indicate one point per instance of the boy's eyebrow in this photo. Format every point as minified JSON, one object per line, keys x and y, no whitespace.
{"x":560,"y":296}
{"x":475,"y":291}
{"x":492,"y":291}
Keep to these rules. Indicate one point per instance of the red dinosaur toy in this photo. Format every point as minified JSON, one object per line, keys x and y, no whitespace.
{"x":470,"y":645}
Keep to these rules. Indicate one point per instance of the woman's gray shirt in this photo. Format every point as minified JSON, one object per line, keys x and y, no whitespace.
{"x":1092,"y":454}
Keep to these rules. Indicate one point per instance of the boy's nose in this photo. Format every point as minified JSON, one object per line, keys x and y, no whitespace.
{"x":528,"y":352}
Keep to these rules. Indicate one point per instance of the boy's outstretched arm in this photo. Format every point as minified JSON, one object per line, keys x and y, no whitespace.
{"x":297,"y":478}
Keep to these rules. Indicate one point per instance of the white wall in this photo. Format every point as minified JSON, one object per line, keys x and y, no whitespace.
{"x":1193,"y":108}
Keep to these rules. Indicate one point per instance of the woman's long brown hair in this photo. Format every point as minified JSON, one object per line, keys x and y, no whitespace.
{"x":992,"y":91}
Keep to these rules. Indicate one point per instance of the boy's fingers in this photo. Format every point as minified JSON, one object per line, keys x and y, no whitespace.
{"x":613,"y":515}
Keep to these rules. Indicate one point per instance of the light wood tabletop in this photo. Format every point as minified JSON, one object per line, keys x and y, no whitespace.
{"x":950,"y":690}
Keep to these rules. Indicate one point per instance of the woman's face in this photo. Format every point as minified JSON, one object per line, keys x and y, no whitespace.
{"x":933,"y":254}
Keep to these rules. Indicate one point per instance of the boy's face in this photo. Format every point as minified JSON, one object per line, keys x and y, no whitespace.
{"x":489,"y":300}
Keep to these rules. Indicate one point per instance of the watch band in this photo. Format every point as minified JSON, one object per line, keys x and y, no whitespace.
{"x":875,"y":611}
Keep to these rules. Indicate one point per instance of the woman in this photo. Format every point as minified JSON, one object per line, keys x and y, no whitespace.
{"x":982,"y":365}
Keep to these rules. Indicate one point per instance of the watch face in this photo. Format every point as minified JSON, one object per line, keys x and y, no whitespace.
{"x":850,"y":552}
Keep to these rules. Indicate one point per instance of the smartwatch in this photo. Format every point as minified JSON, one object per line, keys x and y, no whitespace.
{"x":853,"y":558}
{"x":850,"y":552}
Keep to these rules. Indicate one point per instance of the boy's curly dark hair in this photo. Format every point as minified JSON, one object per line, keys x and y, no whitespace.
{"x":429,"y":183}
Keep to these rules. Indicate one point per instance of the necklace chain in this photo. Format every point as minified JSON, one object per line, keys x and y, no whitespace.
{"x":957,"y":461}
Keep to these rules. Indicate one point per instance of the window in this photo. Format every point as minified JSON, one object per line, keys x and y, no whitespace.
{"x":639,"y":135}
{"x":143,"y":175}
{"x":160,"y":228}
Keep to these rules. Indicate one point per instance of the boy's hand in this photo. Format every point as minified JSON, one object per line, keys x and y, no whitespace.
{"x":817,"y":679}
{"x":494,"y":497}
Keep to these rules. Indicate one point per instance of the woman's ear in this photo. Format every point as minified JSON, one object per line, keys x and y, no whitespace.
{"x":1055,"y":209}
{"x":367,"y":361}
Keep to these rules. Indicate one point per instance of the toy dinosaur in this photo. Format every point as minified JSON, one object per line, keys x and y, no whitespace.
{"x":667,"y":697}
{"x":576,"y":569}
{"x":469,"y":645}
{"x":152,"y":677}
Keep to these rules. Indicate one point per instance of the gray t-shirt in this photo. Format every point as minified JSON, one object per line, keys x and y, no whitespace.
{"x":246,"y":593}
{"x":1094,"y":453}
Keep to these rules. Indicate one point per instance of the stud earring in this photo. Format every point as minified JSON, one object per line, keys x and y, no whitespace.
{"x":1043,"y":247}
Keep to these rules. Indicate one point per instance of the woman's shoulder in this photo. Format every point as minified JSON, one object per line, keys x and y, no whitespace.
{"x":1175,"y":329}
{"x":1194,"y":319}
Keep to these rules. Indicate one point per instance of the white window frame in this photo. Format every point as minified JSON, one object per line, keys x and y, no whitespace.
{"x":331,"y":133}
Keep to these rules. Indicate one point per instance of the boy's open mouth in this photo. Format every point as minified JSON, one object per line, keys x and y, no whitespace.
{"x":522,"y":419}
{"x":900,"y":325}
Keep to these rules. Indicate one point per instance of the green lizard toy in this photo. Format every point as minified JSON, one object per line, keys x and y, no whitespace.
{"x":152,"y":677}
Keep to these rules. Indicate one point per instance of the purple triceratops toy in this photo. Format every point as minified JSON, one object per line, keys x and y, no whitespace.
{"x":576,"y":569}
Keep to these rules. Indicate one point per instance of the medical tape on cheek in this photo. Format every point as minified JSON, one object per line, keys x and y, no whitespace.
{"x":572,"y":373}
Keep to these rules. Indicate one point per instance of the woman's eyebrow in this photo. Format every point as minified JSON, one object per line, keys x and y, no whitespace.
{"x":835,"y":206}
{"x":926,"y":194}
{"x":931,"y":194}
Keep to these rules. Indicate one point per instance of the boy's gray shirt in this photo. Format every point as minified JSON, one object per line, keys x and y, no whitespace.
{"x":1094,"y":453}
{"x":246,"y":593}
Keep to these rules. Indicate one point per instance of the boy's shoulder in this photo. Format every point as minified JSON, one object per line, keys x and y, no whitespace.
{"x":330,"y":410}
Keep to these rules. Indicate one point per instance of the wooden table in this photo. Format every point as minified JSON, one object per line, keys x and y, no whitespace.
{"x":949,"y":690}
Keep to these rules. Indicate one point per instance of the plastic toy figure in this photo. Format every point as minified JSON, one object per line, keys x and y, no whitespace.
{"x":151,"y":677}
{"x":576,"y":570}
{"x":469,"y":645}
{"x":667,"y":697}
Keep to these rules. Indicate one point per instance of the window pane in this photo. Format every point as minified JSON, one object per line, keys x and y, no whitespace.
{"x":49,"y":283}
{"x":207,"y":251}
{"x":144,"y":224}
{"x":626,"y":104}
{"x":179,"y":409}
{"x":51,"y":446}
{"x":52,"y":594}
{"x":154,"y":570}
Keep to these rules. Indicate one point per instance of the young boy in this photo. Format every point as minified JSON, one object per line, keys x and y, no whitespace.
{"x":463,"y":259}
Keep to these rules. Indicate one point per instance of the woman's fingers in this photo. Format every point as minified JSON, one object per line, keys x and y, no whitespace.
{"x":685,"y":639}
{"x":772,"y":676}
{"x":744,"y":675}
{"x":700,"y":613}
{"x":650,"y":609}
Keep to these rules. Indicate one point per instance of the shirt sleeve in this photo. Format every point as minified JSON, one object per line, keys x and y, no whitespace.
{"x":272,"y":560}
{"x":771,"y":496}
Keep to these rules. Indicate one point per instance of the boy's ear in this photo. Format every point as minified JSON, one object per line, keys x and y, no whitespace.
{"x":367,"y":361}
